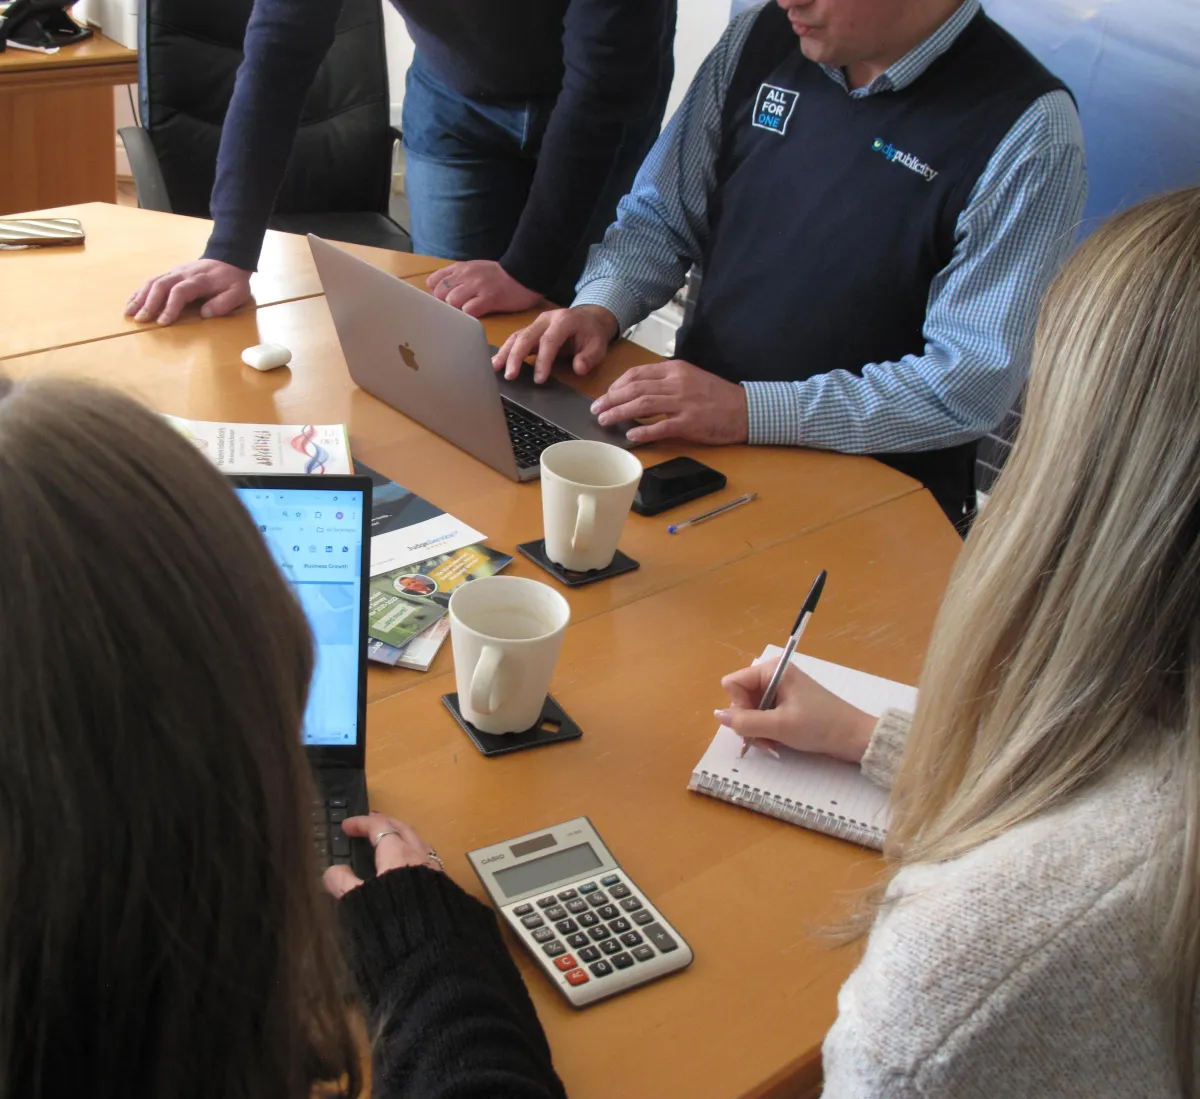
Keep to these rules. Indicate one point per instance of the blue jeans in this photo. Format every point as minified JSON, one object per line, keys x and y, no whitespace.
{"x":469,"y":167}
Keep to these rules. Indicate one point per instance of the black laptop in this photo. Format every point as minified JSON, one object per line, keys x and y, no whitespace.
{"x":317,"y":529}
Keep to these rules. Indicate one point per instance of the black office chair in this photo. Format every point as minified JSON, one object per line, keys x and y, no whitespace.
{"x":339,"y":176}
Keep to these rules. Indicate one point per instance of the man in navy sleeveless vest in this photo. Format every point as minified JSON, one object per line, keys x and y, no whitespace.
{"x":876,"y":215}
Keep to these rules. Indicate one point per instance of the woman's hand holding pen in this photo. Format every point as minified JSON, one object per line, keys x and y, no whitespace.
{"x":805,"y":716}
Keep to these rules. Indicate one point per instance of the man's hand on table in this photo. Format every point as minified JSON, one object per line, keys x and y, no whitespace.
{"x":481,"y":286}
{"x":162,"y":299}
{"x":684,"y":401}
{"x":583,"y":332}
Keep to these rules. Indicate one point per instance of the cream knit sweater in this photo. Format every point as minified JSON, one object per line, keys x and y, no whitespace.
{"x":1021,"y":969}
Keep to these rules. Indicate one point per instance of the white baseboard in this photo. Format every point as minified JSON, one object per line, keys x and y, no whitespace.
{"x":124,"y":171}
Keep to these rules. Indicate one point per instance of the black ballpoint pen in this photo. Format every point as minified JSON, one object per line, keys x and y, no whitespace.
{"x":806,"y":612}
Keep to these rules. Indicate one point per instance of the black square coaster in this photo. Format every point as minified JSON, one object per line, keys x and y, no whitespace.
{"x":536,"y":552}
{"x":554,"y":725}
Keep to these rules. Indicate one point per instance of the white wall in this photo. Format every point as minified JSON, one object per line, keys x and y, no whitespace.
{"x":124,"y":117}
{"x":699,"y":26}
{"x":697,"y":29}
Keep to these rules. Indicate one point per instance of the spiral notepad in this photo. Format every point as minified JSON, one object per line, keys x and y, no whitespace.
{"x":814,"y":791}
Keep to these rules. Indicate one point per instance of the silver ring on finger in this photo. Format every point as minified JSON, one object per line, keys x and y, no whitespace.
{"x":447,"y":284}
{"x":435,"y":857}
{"x":389,"y":832}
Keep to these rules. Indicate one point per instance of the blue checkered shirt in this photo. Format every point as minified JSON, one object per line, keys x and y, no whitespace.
{"x":1016,"y":228}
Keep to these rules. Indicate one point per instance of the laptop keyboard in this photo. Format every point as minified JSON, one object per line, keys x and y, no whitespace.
{"x":530,"y":434}
{"x":333,"y":845}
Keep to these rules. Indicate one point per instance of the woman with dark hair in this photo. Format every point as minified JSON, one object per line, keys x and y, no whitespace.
{"x":162,"y":930}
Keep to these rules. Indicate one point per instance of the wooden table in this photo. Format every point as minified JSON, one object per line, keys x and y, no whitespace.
{"x":66,"y":295}
{"x":195,"y":370}
{"x":56,"y":123}
{"x":750,"y":894}
{"x":639,"y":671}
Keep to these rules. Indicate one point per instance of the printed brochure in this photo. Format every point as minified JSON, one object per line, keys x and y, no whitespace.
{"x":269,"y":448}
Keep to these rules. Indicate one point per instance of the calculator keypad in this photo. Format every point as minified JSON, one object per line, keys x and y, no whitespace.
{"x":599,"y":934}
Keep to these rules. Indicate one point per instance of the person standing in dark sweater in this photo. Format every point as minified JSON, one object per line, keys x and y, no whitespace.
{"x":163,"y":933}
{"x":523,"y":125}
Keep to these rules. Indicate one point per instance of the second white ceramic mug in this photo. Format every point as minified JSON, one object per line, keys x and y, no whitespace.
{"x":506,"y":633}
{"x":587,"y":490}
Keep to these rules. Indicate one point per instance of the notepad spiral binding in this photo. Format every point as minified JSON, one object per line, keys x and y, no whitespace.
{"x":794,"y":812}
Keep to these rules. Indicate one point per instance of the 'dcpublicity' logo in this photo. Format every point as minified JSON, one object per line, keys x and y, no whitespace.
{"x":912,"y":163}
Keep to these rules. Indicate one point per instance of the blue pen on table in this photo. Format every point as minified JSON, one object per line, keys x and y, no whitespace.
{"x":806,"y":612}
{"x":675,"y":528}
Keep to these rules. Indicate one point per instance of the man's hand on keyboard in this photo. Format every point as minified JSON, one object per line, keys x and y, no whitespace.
{"x":583,"y":332}
{"x":690,"y":403}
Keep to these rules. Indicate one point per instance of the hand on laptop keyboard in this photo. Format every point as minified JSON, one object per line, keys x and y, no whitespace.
{"x":396,"y":845}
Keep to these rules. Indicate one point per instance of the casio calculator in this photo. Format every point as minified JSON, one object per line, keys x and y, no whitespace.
{"x":590,"y":928}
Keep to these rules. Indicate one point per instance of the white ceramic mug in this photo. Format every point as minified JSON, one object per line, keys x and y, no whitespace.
{"x":587,"y":490}
{"x":506,"y":632}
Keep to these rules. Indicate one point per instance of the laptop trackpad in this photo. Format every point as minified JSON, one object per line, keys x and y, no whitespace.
{"x":564,"y":407}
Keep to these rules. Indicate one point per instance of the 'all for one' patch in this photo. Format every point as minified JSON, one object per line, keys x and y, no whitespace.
{"x":773,"y":108}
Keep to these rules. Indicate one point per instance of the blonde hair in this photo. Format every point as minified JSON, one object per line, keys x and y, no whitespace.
{"x":1069,"y":638}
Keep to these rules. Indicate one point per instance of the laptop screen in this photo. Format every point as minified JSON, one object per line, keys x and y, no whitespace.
{"x":315,"y":536}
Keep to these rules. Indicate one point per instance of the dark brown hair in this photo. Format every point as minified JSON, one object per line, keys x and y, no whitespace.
{"x":162,"y":932}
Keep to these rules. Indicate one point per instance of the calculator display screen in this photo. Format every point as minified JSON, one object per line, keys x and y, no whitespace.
{"x":549,"y":868}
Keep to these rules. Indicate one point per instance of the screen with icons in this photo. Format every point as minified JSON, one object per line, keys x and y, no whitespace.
{"x":315,"y":536}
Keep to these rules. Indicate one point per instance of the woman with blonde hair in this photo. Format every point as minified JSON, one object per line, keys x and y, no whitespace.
{"x":1040,"y":930}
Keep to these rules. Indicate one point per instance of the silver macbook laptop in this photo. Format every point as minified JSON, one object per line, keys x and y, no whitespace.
{"x":432,"y":362}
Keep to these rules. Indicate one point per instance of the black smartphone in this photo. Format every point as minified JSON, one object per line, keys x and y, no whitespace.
{"x":675,"y":482}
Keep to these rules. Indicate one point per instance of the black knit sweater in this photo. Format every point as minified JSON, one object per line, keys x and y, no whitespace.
{"x":448,"y":1013}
